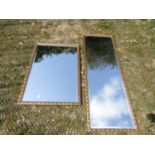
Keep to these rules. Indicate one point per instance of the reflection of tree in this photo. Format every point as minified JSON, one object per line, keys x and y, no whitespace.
{"x":49,"y":50}
{"x":100,"y":52}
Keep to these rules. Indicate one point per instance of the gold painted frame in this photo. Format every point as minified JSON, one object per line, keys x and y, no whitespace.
{"x":125,"y":86}
{"x":20,"y":102}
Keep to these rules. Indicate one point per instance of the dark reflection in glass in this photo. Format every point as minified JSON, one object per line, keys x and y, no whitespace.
{"x":108,"y":103}
{"x":53,"y":76}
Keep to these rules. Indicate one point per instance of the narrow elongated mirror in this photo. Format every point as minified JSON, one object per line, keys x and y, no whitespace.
{"x":108,"y":102}
{"x":53,"y":77}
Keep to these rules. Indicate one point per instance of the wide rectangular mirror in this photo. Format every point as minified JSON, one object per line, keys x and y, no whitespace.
{"x":108,"y":102}
{"x":54,"y":76}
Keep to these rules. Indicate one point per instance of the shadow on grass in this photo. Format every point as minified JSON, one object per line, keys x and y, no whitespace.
{"x":151,"y":117}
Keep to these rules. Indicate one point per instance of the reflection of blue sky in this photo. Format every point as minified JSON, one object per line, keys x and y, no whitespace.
{"x":54,"y":79}
{"x":108,"y":102}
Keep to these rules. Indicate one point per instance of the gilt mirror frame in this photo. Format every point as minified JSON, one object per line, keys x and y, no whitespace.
{"x":31,"y":103}
{"x":100,"y":130}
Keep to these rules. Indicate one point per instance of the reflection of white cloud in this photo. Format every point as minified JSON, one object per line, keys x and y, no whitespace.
{"x":109,"y":104}
{"x":38,"y":96}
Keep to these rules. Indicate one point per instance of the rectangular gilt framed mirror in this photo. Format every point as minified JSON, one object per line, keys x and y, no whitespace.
{"x":108,"y":101}
{"x":53,"y":76}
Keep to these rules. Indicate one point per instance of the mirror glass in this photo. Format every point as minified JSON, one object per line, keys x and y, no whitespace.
{"x":108,"y":103}
{"x":53,"y":76}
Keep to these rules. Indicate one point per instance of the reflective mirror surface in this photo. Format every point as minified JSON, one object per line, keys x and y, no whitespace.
{"x":108,"y":103}
{"x":53,"y":76}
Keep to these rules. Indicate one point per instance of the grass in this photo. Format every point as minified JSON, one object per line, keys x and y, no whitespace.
{"x":135,"y":44}
{"x":105,"y":25}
